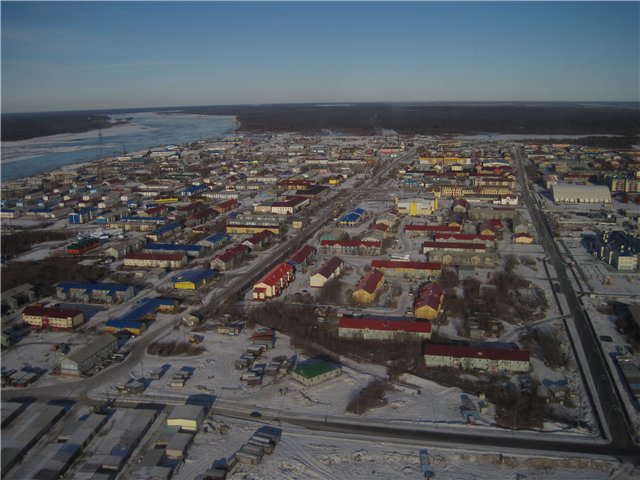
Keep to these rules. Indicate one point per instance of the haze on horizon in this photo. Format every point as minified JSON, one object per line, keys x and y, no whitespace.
{"x":104,"y":55}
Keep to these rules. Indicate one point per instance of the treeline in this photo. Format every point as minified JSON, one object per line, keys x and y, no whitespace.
{"x":22,"y":126}
{"x":44,"y":274}
{"x":369,"y":119}
{"x":20,"y":242}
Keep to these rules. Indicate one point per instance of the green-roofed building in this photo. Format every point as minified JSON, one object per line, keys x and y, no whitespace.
{"x":315,"y":371}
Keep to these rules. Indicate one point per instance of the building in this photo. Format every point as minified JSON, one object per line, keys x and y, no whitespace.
{"x":230,"y":259}
{"x":571,"y":193}
{"x":193,"y":279}
{"x":416,"y":206}
{"x":155,"y":260}
{"x":352,"y":218}
{"x":272,"y":284}
{"x":226,"y":206}
{"x":484,"y":357}
{"x":94,"y":292}
{"x":350,"y":247}
{"x":260,"y":240}
{"x":289,"y":206}
{"x":331,"y":269}
{"x":460,"y":253}
{"x":315,"y":371}
{"x":87,"y":357}
{"x":620,"y":249}
{"x":187,"y":417}
{"x":54,"y":318}
{"x":370,"y":328}
{"x":303,"y":257}
{"x":82,"y":246}
{"x":368,"y":287}
{"x":134,"y":327}
{"x":396,"y":268}
{"x":164,"y":231}
{"x":215,"y":241}
{"x":412,"y":230}
{"x":429,"y":301}
{"x":188,"y":250}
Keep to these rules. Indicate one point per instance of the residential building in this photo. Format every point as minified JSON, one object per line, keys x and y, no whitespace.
{"x":54,"y":318}
{"x":94,"y":292}
{"x":368,"y":287}
{"x":315,"y":371}
{"x":484,"y":357}
{"x":331,"y":269}
{"x":155,"y":260}
{"x":274,"y":282}
{"x":429,"y":301}
{"x":370,"y":328}
{"x":83,"y":359}
{"x":231,"y":258}
{"x":193,"y":279}
{"x":350,"y":247}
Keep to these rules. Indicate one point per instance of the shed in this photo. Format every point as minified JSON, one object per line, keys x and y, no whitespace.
{"x":187,"y":417}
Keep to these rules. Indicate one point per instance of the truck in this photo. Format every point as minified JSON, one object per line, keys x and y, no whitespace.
{"x":425,"y":466}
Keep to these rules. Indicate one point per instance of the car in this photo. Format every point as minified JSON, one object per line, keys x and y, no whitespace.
{"x":255,"y":414}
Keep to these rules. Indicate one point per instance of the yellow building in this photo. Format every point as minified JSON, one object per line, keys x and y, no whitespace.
{"x":429,"y":301}
{"x":187,"y":417}
{"x":368,"y":287}
{"x":193,"y":279}
{"x":251,"y":229}
{"x":416,"y":206}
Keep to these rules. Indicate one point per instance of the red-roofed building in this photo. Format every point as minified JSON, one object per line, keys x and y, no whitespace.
{"x":452,"y":246}
{"x":381,"y":328}
{"x":395,"y":268}
{"x":429,"y":301}
{"x":272,"y":284}
{"x":328,"y":271}
{"x":230,"y":258}
{"x":54,"y":318}
{"x":289,"y":206}
{"x":202,"y":216}
{"x":155,"y":260}
{"x":303,"y":257}
{"x":350,"y":247}
{"x":487,"y":240}
{"x":496,"y":360}
{"x":368,"y":286}
{"x":260,"y":240}
{"x":226,"y":206}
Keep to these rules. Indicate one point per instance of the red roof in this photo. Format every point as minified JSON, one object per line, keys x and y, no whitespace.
{"x":204,"y":213}
{"x":405,"y":265}
{"x":386,"y":325}
{"x":331,"y":266}
{"x":454,"y":245}
{"x":231,"y":253}
{"x":383,"y":227}
{"x":50,"y":312}
{"x":370,"y":281}
{"x":226,"y":205}
{"x":289,"y":202}
{"x":350,"y":243}
{"x":430,"y":295}
{"x":475,"y":352}
{"x":259,"y":237}
{"x":431,"y":228}
{"x":302,"y":254}
{"x":154,"y":256}
{"x":277,"y":273}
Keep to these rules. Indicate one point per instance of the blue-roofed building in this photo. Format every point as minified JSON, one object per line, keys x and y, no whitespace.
{"x":137,"y":219}
{"x":352,"y":218}
{"x":215,"y":241}
{"x":134,"y":320}
{"x":193,"y":279}
{"x":194,"y":190}
{"x":133,"y":327}
{"x":164,"y":231}
{"x":83,"y":215}
{"x":188,"y":250}
{"x":94,"y":292}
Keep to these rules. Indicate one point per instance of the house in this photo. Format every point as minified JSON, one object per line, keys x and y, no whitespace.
{"x":231,"y":258}
{"x":215,"y":241}
{"x":188,"y":250}
{"x":314,"y":371}
{"x":226,"y":206}
{"x":331,"y":269}
{"x":289,"y":206}
{"x":371,"y":328}
{"x":429,"y":301}
{"x":272,"y":284}
{"x":460,"y":253}
{"x":303,"y":257}
{"x":368,"y":286}
{"x":155,"y":260}
{"x":193,"y":279}
{"x":259,"y":241}
{"x":373,"y":236}
{"x":484,"y":357}
{"x":522,"y":239}
{"x":164,"y":231}
{"x":352,"y":218}
{"x":395,"y":268}
{"x":50,"y":317}
{"x":94,"y":292}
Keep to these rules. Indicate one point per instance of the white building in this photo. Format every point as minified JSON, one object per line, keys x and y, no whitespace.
{"x":570,"y":193}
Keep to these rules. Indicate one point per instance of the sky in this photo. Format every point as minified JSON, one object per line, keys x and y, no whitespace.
{"x":102,"y":55}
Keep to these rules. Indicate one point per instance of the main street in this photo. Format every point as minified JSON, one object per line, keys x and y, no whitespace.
{"x":617,"y":421}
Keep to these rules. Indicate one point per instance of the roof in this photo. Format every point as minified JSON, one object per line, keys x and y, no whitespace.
{"x":84,"y":353}
{"x":464,"y":236}
{"x":186,"y":412}
{"x":218,"y":237}
{"x":313,"y":368}
{"x":148,"y":305}
{"x":259,"y":237}
{"x":276,"y":274}
{"x":172,"y":247}
{"x":154,"y":256}
{"x":194,"y":276}
{"x":111,"y":287}
{"x":570,"y":189}
{"x":166,"y":228}
{"x":490,"y":353}
{"x":50,"y":312}
{"x":349,"y":218}
{"x":406,"y":265}
{"x":430,"y":295}
{"x":124,"y":324}
{"x":387,"y":325}
{"x":370,"y":281}
{"x":329,"y":267}
{"x":301,"y":255}
{"x":350,"y":243}
{"x":431,"y":228}
{"x":454,"y":245}
{"x":231,"y":253}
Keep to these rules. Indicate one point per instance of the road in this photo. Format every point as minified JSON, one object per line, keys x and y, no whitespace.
{"x":621,"y":435}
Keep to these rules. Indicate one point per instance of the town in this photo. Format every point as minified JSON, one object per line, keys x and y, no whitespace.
{"x":260,"y":282}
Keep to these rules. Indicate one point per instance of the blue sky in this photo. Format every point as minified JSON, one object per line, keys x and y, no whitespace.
{"x":90,"y":55}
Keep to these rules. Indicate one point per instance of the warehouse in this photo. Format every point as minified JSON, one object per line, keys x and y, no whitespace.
{"x":187,"y":417}
{"x":54,"y":318}
{"x":569,"y":193}
{"x":315,"y":371}
{"x":193,"y":279}
{"x":85,"y":358}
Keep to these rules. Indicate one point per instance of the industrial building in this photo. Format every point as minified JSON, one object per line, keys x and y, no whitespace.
{"x":187,"y":417}
{"x":571,"y":193}
{"x":315,"y":371}
{"x":193,"y":279}
{"x":416,"y":206}
{"x":50,"y":317}
{"x":85,"y":358}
